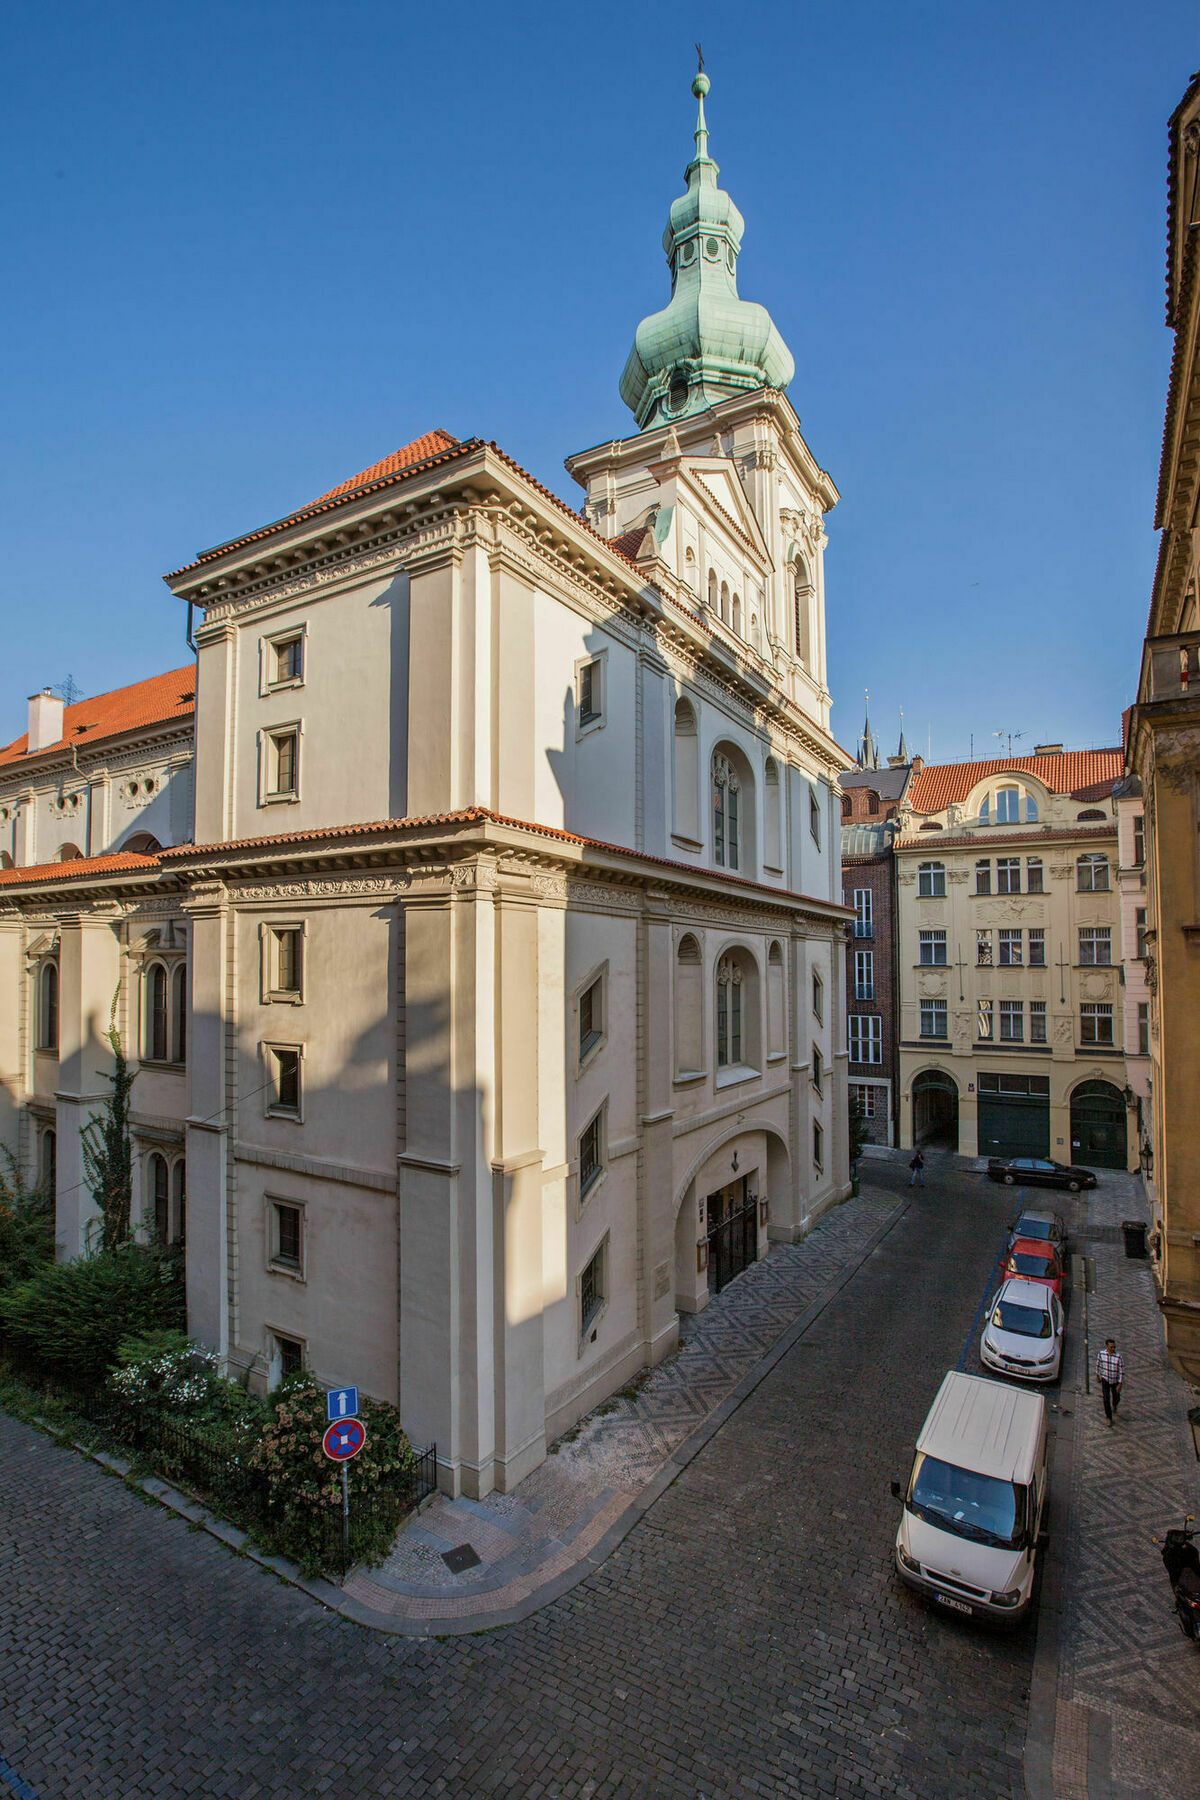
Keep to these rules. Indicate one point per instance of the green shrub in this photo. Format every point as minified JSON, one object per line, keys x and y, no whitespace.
{"x":26,"y":1224}
{"x":172,"y":1373}
{"x":70,"y":1318}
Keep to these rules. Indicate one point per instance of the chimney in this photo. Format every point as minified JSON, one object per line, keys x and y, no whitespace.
{"x":1047,"y":749}
{"x":45,"y":721}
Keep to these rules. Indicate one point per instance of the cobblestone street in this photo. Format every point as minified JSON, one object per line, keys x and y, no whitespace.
{"x":747,"y":1638}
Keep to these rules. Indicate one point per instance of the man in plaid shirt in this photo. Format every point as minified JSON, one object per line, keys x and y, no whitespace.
{"x":1110,"y":1369}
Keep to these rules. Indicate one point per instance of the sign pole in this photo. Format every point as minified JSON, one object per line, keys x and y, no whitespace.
{"x":346,"y":1513}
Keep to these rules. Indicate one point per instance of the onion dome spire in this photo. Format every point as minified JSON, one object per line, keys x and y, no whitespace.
{"x":707,"y":343}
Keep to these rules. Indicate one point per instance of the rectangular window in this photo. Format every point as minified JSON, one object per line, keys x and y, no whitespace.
{"x":1092,"y":874}
{"x":1012,"y":1021}
{"x":1008,"y":806}
{"x":1143,"y":1027}
{"x":590,"y":1159}
{"x":591,"y":1290}
{"x":283,"y":764}
{"x":864,"y":917}
{"x":1139,"y":840}
{"x":1033,"y":875}
{"x":1008,"y":875}
{"x":931,"y":881}
{"x":818,"y":1146}
{"x":983,"y":877}
{"x":868,"y":1098}
{"x":984,"y":1022}
{"x":1143,"y":942}
{"x":933,"y":1018}
{"x":1095,"y":944}
{"x":983,"y":948}
{"x":1037,"y":1021}
{"x":864,"y":974}
{"x":287,"y":1236}
{"x":591,"y":1016}
{"x":286,"y":659}
{"x":1095,"y":1023}
{"x":866,"y":1038}
{"x":818,"y":1069}
{"x":814,"y":817}
{"x":591,"y":707}
{"x":291,"y":1355}
{"x":284,"y":1071}
{"x":285,"y":950}
{"x":1011,"y":950}
{"x":818,"y":997}
{"x":933,"y":947}
{"x":1037,"y":947}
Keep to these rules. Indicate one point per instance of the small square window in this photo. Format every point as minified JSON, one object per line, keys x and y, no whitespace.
{"x":287,"y":1236}
{"x":283,"y":764}
{"x":590,"y":709}
{"x":591,"y":1161}
{"x":591,"y":1016}
{"x":592,"y":1285}
{"x":286,"y":659}
{"x":284,"y":1071}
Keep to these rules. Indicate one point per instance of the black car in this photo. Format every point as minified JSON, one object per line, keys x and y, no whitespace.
{"x":1035,"y":1171}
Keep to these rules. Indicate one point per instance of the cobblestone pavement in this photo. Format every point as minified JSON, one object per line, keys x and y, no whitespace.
{"x":1123,"y":1656}
{"x":527,"y":1538}
{"x":747,"y":1639}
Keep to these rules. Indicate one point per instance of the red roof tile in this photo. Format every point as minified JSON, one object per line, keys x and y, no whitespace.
{"x":404,"y":458}
{"x":78,"y":868}
{"x":1084,"y":774}
{"x":629,"y":542}
{"x":152,"y":702}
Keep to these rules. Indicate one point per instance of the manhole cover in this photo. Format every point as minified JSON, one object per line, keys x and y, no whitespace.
{"x":461,"y":1557}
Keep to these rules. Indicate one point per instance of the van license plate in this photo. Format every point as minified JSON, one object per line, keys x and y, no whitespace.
{"x":958,"y":1605}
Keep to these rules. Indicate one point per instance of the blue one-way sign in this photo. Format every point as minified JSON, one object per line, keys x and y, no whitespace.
{"x":341,"y":1403}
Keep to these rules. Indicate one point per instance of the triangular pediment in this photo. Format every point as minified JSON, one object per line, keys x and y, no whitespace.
{"x":716,"y":489}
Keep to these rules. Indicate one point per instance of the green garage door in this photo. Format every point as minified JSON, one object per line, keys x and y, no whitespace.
{"x":1014,"y":1115}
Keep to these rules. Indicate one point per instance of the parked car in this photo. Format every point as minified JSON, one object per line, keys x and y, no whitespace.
{"x":1034,"y":1259}
{"x":1023,"y":1334}
{"x":1036,"y":1171}
{"x":1041,"y":1227}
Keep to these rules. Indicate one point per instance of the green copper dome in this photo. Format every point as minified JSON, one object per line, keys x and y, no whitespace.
{"x":707,"y":344}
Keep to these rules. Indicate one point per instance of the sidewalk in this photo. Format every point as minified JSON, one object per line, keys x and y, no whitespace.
{"x":1126,"y":1726}
{"x":513,"y":1553}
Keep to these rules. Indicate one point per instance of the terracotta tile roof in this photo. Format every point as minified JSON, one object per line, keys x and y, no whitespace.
{"x":152,"y":702}
{"x":208,"y":853}
{"x":929,"y":841}
{"x":629,"y":542}
{"x":1083,"y":774}
{"x":78,"y":869}
{"x":404,"y":458}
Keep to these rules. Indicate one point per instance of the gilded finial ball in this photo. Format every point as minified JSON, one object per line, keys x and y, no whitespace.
{"x":700,"y":85}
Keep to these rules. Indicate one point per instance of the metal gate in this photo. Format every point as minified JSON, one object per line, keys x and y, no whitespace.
{"x":732,"y":1235}
{"x":1098,"y":1137}
{"x":1014,"y":1115}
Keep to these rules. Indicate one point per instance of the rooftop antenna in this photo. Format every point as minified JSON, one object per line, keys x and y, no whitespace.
{"x":1012,"y":736}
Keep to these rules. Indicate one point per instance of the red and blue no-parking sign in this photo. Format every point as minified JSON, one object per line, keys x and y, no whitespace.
{"x":344,"y":1439}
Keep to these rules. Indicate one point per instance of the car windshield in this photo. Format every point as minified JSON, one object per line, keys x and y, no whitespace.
{"x":1023,"y":1321}
{"x":1034,"y":1228}
{"x":1026,"y":1263}
{"x":980,"y":1507}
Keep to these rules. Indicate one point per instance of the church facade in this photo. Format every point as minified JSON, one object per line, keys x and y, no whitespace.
{"x":487,"y":994}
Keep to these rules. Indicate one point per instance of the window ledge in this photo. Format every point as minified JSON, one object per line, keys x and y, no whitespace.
{"x":687,"y":1077}
{"x":772,"y":868}
{"x":285,"y":1269}
{"x":686,"y":843}
{"x":735,"y":1073}
{"x":777,"y":1056}
{"x":281,"y":687}
{"x":285,"y":997}
{"x":162,"y":1065}
{"x":278,"y":1112}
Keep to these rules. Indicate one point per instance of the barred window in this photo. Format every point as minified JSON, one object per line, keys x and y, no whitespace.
{"x":1095,"y":944}
{"x":1037,"y":1021}
{"x":1095,"y":1023}
{"x":1037,"y":947}
{"x":1012,"y":1021}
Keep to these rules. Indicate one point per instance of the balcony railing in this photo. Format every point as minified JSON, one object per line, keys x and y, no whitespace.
{"x":1171,"y":668}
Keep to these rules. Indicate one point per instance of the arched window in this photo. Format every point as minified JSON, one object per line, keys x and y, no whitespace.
{"x":736,"y":615}
{"x":1031,"y":809}
{"x":687,"y":772}
{"x":802,"y":601}
{"x":6,"y":861}
{"x":142,"y":843}
{"x":725,"y":601}
{"x":985,"y":811}
{"x":776,"y":1001}
{"x":1091,"y":873}
{"x":689,"y":1023}
{"x":712,"y":589}
{"x":160,"y":1195}
{"x":68,"y":853}
{"x":846,"y":808}
{"x":179,"y":1198}
{"x":1091,"y":816}
{"x":931,"y":880}
{"x":156,"y":1013}
{"x":727,"y":842}
{"x":47,"y":1007}
{"x":737,"y":1010}
{"x":179,"y":1013}
{"x":773,"y":819}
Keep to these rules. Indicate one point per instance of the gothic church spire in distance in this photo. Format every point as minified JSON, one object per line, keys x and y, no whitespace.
{"x":707,"y":343}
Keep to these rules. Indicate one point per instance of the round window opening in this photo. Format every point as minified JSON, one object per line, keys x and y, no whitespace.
{"x":711,"y":247}
{"x":677,"y":393}
{"x":687,"y":252}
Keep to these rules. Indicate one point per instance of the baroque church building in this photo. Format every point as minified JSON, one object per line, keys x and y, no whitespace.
{"x":471,"y":910}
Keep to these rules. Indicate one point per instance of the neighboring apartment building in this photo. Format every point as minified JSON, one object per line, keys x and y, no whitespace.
{"x":1163,"y":751}
{"x":495,"y":1008}
{"x":871,"y":801}
{"x":1011,"y":1019}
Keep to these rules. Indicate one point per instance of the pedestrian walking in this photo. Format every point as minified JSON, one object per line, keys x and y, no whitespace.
{"x":917,"y":1165}
{"x":1110,"y":1370}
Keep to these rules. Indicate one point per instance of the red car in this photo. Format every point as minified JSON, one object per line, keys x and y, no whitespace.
{"x":1033,"y":1259}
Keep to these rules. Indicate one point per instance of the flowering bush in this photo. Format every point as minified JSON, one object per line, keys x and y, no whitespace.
{"x":166,"y":1370}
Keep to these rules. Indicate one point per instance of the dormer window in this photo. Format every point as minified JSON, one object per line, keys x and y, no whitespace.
{"x":1008,"y":806}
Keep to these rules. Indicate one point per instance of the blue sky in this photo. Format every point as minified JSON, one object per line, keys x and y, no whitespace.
{"x":252,"y":247}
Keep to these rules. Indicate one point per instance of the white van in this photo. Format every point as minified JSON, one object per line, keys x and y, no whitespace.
{"x":975,"y":1499}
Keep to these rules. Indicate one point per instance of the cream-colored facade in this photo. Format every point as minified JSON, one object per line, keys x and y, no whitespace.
{"x":1011,"y":1001}
{"x":1163,"y":747}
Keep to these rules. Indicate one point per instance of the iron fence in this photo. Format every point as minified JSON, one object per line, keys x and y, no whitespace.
{"x":311,"y":1532}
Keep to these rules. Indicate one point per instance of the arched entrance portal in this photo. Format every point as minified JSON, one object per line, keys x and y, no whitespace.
{"x":1098,"y":1126}
{"x":935,"y":1109}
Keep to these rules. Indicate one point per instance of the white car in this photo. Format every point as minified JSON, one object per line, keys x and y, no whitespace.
{"x":1023,"y":1335}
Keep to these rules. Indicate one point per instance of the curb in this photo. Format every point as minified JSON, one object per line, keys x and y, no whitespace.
{"x":328,"y":1595}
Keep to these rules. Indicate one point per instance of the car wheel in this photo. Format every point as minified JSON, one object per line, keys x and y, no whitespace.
{"x":1008,"y":1180}
{"x":1074,"y":1186}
